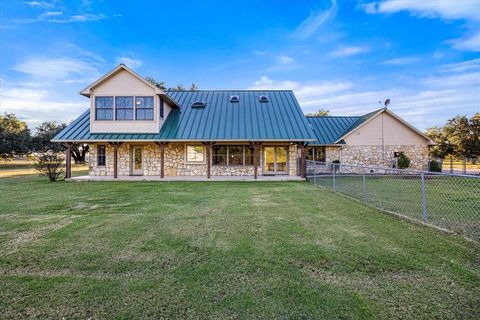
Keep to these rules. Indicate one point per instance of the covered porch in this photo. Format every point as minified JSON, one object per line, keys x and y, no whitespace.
{"x":185,"y":178}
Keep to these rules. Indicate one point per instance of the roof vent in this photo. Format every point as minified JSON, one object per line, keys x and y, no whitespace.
{"x":199,"y":104}
{"x":263,"y":98}
{"x":234,"y":98}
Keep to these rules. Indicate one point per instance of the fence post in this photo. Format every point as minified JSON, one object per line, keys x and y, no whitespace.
{"x":451,"y":164}
{"x":464,"y":166}
{"x":424,"y":199}
{"x":364,"y":188}
{"x":334,"y":167}
{"x":315,"y":171}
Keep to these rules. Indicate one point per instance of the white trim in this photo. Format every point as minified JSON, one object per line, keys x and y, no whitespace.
{"x":195,"y":162}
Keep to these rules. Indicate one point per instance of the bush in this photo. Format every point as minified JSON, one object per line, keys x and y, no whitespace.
{"x":403,"y":161}
{"x":50,"y":164}
{"x":435,"y":166}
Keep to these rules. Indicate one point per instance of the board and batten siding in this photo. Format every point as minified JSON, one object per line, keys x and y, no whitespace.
{"x":394,"y":133}
{"x":122,"y":83}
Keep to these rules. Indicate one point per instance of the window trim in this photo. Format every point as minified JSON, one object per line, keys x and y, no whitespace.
{"x":112,"y":108}
{"x":315,"y":153}
{"x":195,"y":162}
{"x":123,"y":108}
{"x":244,"y":156}
{"x":104,"y":155}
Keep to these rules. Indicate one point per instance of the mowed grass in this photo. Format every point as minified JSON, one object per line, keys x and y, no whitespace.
{"x":221,"y":250}
{"x":452,"y":202}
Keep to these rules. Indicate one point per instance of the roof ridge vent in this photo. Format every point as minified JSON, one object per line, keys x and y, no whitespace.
{"x":234,"y":98}
{"x":263,"y":98}
{"x":199,"y":104}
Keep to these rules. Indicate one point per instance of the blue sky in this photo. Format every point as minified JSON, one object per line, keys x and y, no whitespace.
{"x":344,"y":56}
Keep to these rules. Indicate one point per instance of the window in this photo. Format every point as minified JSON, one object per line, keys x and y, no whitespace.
{"x":316,"y":153}
{"x":104,"y":108}
{"x":220,"y":155}
{"x":263,"y":98}
{"x":144,"y":108}
{"x":101,"y":155}
{"x":162,"y":108}
{"x":234,"y":98}
{"x":198,"y":104}
{"x":195,"y":154}
{"x":232,"y":156}
{"x":124,"y":108}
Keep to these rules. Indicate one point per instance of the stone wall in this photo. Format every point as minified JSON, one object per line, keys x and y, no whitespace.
{"x":175,"y":164}
{"x":372,"y":155}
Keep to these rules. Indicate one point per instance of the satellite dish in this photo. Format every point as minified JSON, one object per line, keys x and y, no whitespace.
{"x":387,"y":102}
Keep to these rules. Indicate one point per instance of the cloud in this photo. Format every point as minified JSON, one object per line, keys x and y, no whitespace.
{"x":130,"y":62}
{"x":38,"y":4}
{"x":308,"y":27}
{"x":467,"y":10}
{"x":424,"y":102}
{"x":61,"y":69}
{"x":285,"y":59}
{"x":78,"y":18}
{"x":347,"y":51}
{"x":399,"y":61}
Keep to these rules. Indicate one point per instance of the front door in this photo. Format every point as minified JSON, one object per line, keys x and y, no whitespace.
{"x":275,"y":160}
{"x":137,"y":161}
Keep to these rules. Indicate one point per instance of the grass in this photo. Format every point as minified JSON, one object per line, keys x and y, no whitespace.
{"x":221,"y":250}
{"x":451,"y":202}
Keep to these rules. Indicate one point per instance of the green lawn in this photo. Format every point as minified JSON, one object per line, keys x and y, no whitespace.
{"x":221,"y":250}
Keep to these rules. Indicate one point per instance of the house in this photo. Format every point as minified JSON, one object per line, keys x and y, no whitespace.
{"x":134,"y":128}
{"x":374,"y":139}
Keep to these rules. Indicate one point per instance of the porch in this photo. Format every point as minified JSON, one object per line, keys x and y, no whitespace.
{"x":185,"y":178}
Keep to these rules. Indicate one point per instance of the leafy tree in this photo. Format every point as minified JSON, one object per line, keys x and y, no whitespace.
{"x":14,"y":136}
{"x":403,"y":161}
{"x":45,"y":132}
{"x":319,"y":113}
{"x":159,"y":84}
{"x":50,"y":164}
{"x":193,"y":87}
{"x":442,"y":148}
{"x":79,"y":152}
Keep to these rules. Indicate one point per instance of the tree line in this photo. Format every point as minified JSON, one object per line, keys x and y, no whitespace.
{"x":16,"y":139}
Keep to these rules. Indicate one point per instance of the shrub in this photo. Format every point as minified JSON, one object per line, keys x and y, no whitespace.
{"x":50,"y":164}
{"x":403,"y":161}
{"x":435,"y":166}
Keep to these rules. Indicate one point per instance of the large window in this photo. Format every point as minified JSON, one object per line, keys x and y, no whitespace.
{"x":196,"y":154}
{"x":316,"y":153}
{"x":144,"y":108}
{"x":104,"y":108}
{"x":101,"y":154}
{"x":232,"y":155}
{"x":124,"y":108}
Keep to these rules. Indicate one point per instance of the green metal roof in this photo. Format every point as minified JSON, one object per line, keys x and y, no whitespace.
{"x":280,"y":119}
{"x":330,"y":129}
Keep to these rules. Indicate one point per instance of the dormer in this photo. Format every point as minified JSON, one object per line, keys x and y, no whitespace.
{"x":124,"y":102}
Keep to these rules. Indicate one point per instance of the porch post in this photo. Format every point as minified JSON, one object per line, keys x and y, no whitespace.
{"x":68,"y":159}
{"x":162,"y":145}
{"x":115,"y":145}
{"x":256,"y":149}
{"x":208,"y":146}
{"x":302,"y":159}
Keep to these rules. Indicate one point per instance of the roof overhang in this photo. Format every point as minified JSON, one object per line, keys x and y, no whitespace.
{"x":183,"y":140}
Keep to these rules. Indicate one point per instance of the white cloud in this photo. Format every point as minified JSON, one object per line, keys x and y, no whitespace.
{"x":399,"y":61}
{"x":38,"y":4}
{"x":308,"y":27}
{"x":467,"y":10}
{"x":130,"y":62}
{"x":347,"y":51}
{"x":285,"y":59}
{"x":79,"y":18}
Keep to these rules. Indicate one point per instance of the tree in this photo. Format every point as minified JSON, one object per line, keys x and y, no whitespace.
{"x":319,"y":113}
{"x":159,"y":84}
{"x":403,"y":161}
{"x":163,"y":86}
{"x":14,"y":136}
{"x":50,"y":164}
{"x":193,"y":87}
{"x":79,"y":152}
{"x":41,"y":141}
{"x":442,"y":148}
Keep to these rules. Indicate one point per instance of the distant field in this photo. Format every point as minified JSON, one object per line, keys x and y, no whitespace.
{"x":22,"y":167}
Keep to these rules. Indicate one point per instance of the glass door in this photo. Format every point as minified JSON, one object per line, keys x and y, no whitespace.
{"x":275,"y":160}
{"x":137,"y":161}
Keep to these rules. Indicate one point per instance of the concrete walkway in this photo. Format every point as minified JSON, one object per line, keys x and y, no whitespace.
{"x":186,"y":178}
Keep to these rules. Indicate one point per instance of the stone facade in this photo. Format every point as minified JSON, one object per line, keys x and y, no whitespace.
{"x":175,"y":164}
{"x":373,"y":155}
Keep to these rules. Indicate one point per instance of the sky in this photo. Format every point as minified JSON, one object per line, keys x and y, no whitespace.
{"x":344,"y":56}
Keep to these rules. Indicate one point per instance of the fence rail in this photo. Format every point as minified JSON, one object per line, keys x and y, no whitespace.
{"x":447,"y":201}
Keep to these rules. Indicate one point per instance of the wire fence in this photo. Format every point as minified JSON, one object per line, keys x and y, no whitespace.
{"x":447,"y":201}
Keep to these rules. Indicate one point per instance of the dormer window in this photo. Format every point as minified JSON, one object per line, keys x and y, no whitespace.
{"x":198,"y":104}
{"x":104,"y":108}
{"x":234,"y":98}
{"x":124,"y":108}
{"x":263,"y":98}
{"x":144,"y":108}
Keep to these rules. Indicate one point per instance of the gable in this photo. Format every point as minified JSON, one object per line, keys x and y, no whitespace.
{"x":395,"y":132}
{"x":122,"y":82}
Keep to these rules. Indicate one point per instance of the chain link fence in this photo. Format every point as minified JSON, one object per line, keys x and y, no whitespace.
{"x":447,"y":201}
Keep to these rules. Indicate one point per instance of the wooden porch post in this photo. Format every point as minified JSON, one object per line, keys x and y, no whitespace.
{"x":256,"y":149}
{"x":162,"y":145}
{"x":208,"y":146}
{"x":302,"y":159}
{"x":68,"y":159}
{"x":115,"y":145}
